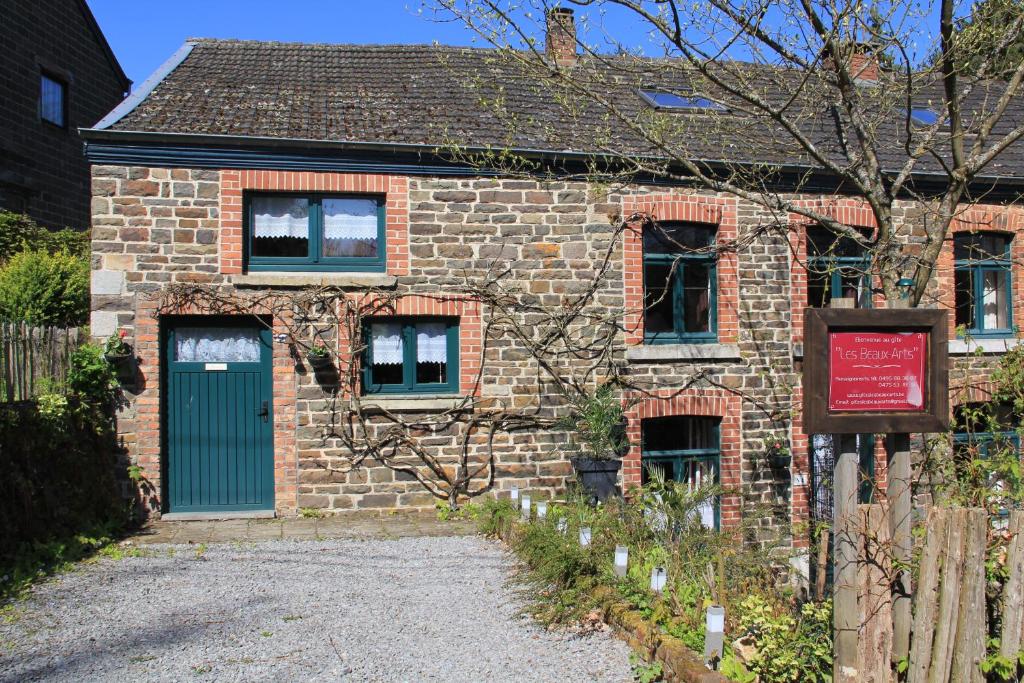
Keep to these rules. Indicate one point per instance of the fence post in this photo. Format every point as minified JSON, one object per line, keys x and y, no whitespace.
{"x":900,"y":501}
{"x":844,"y":524}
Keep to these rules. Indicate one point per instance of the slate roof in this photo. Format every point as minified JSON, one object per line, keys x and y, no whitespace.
{"x":433,"y":95}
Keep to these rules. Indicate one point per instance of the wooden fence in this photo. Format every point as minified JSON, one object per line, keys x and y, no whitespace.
{"x":947,"y":641}
{"x":31,"y":357}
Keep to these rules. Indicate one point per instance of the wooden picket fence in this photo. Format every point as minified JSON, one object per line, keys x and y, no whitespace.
{"x":947,"y":640}
{"x":31,"y":357}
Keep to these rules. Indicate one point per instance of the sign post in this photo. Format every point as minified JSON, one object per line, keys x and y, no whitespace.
{"x":879,"y":371}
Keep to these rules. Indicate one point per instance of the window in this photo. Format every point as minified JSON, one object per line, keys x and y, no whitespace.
{"x":920,"y":116}
{"x":837,"y":267}
{"x":52,"y":101}
{"x":822,"y":465}
{"x":662,"y":99}
{"x":983,"y":283}
{"x":411,"y":355}
{"x":684,"y":449}
{"x":680,"y":284}
{"x":315,"y":232}
{"x":986,"y":432}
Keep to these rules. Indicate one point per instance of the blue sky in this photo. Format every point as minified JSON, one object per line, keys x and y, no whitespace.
{"x":144,"y":33}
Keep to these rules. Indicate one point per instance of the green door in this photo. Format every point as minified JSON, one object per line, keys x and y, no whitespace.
{"x":218,"y":420}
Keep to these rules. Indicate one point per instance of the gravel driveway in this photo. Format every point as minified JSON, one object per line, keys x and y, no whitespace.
{"x":412,"y":609}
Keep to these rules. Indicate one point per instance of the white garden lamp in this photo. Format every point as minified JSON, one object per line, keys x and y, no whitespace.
{"x":585,"y":535}
{"x":562,"y":526}
{"x":542,"y":509}
{"x":513,"y":493}
{"x":621,"y":560}
{"x":526,"y":509}
{"x":714,"y":636}
{"x":658,"y":578}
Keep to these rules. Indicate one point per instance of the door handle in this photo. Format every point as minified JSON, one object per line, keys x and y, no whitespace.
{"x":265,"y":411}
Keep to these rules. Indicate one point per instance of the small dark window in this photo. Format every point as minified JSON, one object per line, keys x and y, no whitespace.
{"x":52,"y":101}
{"x":680,"y":283}
{"x":663,"y":99}
{"x":983,"y":283}
{"x":837,"y":267}
{"x":685,"y":449}
{"x":411,"y":355}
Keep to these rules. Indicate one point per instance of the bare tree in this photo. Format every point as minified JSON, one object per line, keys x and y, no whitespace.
{"x":769,"y":102}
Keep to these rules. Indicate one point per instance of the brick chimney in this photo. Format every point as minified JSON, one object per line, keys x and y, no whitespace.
{"x":560,"y":46}
{"x":863,"y":63}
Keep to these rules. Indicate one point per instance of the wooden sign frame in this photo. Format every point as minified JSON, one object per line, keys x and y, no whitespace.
{"x":820,"y":322}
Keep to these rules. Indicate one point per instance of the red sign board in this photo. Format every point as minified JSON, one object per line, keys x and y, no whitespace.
{"x":877,"y":371}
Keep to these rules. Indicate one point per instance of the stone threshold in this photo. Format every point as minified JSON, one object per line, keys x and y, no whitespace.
{"x":212,"y":516}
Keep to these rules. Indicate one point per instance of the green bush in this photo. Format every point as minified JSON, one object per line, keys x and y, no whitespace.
{"x":20,"y":233}
{"x":45,"y":289}
{"x":661,"y":526}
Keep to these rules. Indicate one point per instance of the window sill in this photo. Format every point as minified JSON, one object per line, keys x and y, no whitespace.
{"x":654,"y":353}
{"x":964,"y":347}
{"x":431,"y":403}
{"x":343,"y":280}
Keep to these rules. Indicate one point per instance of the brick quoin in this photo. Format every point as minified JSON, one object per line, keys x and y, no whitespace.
{"x":235,"y":183}
{"x":700,"y":402}
{"x":672,"y":207}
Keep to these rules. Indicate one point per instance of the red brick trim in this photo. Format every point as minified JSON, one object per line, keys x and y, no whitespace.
{"x":470,"y":316}
{"x":233,"y":183}
{"x":847,"y":210}
{"x":147,"y":407}
{"x":708,"y":402}
{"x":983,"y":218}
{"x":677,"y":206}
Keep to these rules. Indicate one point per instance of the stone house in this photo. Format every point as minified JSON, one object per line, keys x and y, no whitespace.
{"x":59,"y":74}
{"x":249,"y":173}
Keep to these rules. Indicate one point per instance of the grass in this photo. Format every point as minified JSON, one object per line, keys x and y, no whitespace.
{"x":40,"y":560}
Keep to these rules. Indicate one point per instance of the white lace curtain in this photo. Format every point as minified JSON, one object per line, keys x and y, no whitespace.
{"x":388,"y":345}
{"x":216,"y":345}
{"x":280,"y":217}
{"x":344,"y":219}
{"x":350,"y":219}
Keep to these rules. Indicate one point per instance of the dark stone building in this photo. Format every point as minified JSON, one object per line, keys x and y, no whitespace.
{"x":58,"y":74}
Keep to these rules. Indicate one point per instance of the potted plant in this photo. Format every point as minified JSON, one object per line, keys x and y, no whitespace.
{"x":598,"y":422}
{"x":119,"y":354}
{"x":319,"y":356}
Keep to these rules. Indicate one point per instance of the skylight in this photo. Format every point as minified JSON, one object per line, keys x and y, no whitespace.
{"x":670,"y":100}
{"x":922,"y":116}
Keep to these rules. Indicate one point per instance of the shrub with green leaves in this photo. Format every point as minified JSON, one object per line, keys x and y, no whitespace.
{"x":45,"y":289}
{"x":20,"y":233}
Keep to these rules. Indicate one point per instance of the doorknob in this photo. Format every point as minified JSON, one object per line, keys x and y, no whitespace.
{"x":265,"y":411}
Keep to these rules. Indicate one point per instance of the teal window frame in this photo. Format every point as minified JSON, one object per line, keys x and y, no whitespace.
{"x":679,"y":458}
{"x":315,"y":261}
{"x":828,"y":264}
{"x":977,"y":268}
{"x":984,"y":441}
{"x":678,"y":262}
{"x":409,"y":384}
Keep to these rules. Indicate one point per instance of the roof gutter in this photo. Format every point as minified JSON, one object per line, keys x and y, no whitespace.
{"x":101,"y":134}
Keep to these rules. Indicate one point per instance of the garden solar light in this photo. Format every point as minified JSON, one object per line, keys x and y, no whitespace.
{"x":526,"y":509}
{"x":714,"y":636}
{"x":542,"y":509}
{"x":621,"y":560}
{"x":562,"y":526}
{"x":585,"y":535}
{"x":514,"y":493}
{"x":658,"y":578}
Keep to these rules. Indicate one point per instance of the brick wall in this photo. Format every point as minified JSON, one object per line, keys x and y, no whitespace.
{"x":42,"y":169}
{"x":157,"y":226}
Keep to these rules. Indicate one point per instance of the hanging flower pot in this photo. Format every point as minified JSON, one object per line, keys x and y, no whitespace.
{"x":119,"y":354}
{"x":319,"y":357}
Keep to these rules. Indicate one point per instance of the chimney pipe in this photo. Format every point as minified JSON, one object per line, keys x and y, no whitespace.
{"x":560,"y":46}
